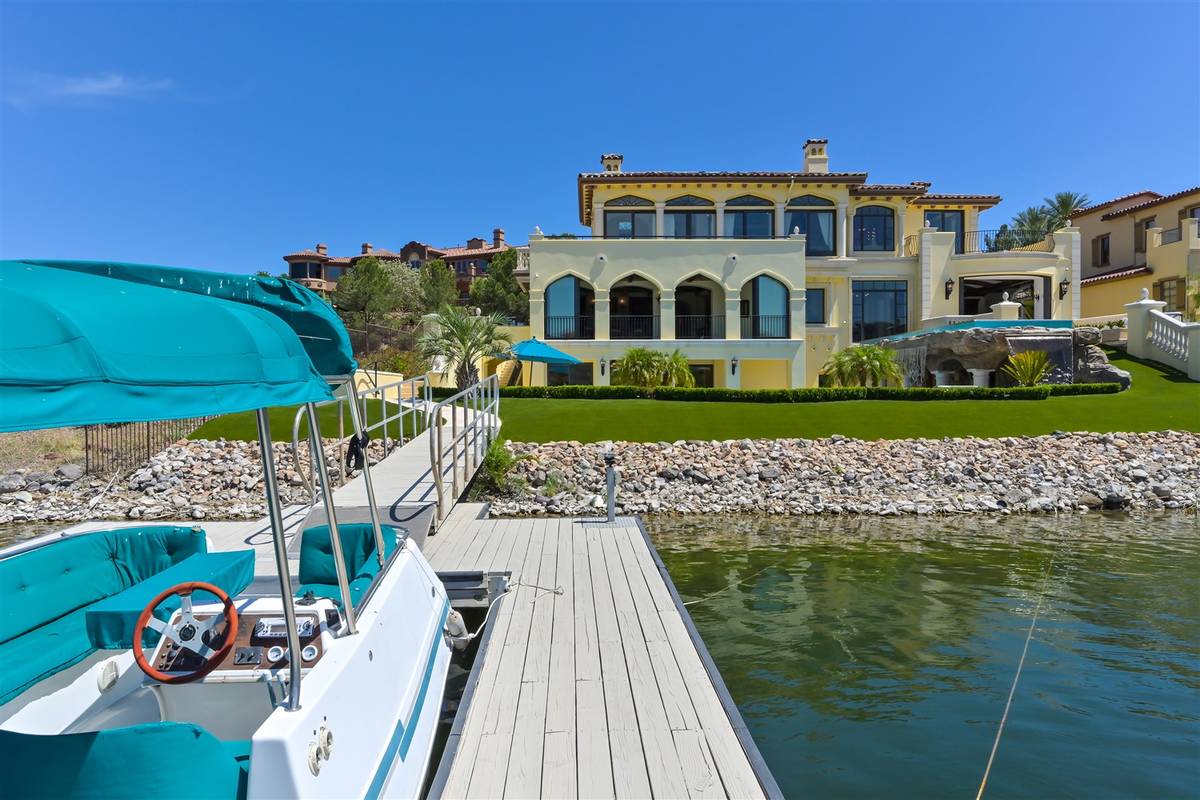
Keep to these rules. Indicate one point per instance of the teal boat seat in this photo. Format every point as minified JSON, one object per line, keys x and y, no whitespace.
{"x":173,"y":759}
{"x":45,"y":594}
{"x":110,"y":621}
{"x":317,"y":572}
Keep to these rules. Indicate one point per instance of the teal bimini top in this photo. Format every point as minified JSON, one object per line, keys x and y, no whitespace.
{"x":78,"y":347}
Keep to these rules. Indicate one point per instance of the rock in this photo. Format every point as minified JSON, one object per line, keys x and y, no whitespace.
{"x":16,"y":497}
{"x":14,"y":482}
{"x":1091,"y":501}
{"x":69,"y":472}
{"x":1092,"y":366}
{"x":768,"y":474}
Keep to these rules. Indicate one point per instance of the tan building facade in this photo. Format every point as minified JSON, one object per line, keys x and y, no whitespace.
{"x":1141,"y":241}
{"x":758,"y":277}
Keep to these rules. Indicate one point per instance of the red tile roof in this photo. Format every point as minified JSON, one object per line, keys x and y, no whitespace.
{"x":1114,"y":201}
{"x":460,"y":252}
{"x":1116,"y":274}
{"x":984,"y":200}
{"x":1154,"y":202}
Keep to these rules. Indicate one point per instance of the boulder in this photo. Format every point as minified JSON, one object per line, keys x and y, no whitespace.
{"x":69,"y":472}
{"x":1092,"y":366}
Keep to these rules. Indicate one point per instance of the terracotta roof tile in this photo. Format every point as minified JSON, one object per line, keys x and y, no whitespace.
{"x":987,"y":200}
{"x":1147,"y":204}
{"x":1114,"y":201}
{"x":627,"y":177}
{"x":1116,"y":274}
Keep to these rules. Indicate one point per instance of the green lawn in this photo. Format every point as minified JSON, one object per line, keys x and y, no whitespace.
{"x":242,"y":426}
{"x":1159,"y":399}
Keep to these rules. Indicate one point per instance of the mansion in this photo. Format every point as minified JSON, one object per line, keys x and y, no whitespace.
{"x":758,"y":277}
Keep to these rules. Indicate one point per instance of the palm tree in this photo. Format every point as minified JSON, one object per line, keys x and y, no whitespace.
{"x":461,"y":340}
{"x":1035,"y":219}
{"x":676,"y":372}
{"x":638,"y":367}
{"x":863,"y":365}
{"x":1064,"y":205}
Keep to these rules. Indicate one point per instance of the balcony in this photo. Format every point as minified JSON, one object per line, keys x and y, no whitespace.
{"x":633,"y":326}
{"x":765,"y":326}
{"x":1002,"y":240}
{"x":691,"y":326}
{"x":570,"y":327}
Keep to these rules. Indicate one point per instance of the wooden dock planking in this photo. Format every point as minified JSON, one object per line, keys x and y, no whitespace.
{"x":595,"y":692}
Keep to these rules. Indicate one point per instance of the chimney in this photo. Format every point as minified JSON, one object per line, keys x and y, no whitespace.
{"x":366,"y":248}
{"x":322,"y":248}
{"x":816,"y":155}
{"x":497,"y":238}
{"x":474,"y":243}
{"x":612,"y":162}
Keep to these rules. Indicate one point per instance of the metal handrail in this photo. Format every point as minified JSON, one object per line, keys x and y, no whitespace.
{"x":479,"y":405}
{"x":419,"y":387}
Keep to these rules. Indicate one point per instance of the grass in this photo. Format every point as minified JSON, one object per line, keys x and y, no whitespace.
{"x":42,"y":451}
{"x":243,"y":427}
{"x":1159,"y":399}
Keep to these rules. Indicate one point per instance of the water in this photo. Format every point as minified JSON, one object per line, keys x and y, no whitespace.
{"x":1058,"y":347}
{"x":872,"y":658}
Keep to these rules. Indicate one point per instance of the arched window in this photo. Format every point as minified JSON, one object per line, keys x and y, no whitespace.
{"x":814,"y":216}
{"x":629,"y":224}
{"x":687,"y":218}
{"x":874,"y":229}
{"x":570,"y":309}
{"x":746,"y":218}
{"x":765,"y":309}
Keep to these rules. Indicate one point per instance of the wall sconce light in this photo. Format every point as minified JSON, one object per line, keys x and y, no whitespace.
{"x":602,"y":366}
{"x":949,"y":287}
{"x":733,"y":366}
{"x":1063,"y":288}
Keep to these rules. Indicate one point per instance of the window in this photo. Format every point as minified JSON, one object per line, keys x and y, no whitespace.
{"x":1171,"y":292}
{"x":334,"y":273}
{"x":765,"y":312}
{"x":1100,"y":251}
{"x":749,"y":224}
{"x":949,"y":222}
{"x":1139,"y":233}
{"x":629,"y":224}
{"x":689,"y":224}
{"x":1194,"y":213}
{"x":569,"y":375}
{"x":814,"y":216}
{"x":570,"y":309}
{"x":304,"y":269}
{"x":814,"y":307}
{"x":878,"y":308}
{"x":874,"y":229}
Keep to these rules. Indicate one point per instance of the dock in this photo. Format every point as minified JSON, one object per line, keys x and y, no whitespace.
{"x":593,"y":683}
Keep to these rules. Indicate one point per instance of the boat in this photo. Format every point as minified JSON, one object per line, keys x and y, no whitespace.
{"x":134,"y":659}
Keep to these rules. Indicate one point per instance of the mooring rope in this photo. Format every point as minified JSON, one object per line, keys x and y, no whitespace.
{"x":727,"y":588}
{"x":1012,"y":690}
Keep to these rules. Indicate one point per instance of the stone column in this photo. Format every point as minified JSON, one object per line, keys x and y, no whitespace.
{"x":943,"y":377}
{"x":537,"y":313}
{"x":1139,"y":323}
{"x":798,"y":376}
{"x":602,"y":315}
{"x":843,"y":228}
{"x":659,"y":227}
{"x":666,"y":315}
{"x":1006,"y":309}
{"x":720,"y":218}
{"x":981,"y":377}
{"x":779,"y":221}
{"x":796,"y":307}
{"x":900,"y":231}
{"x":733,"y":317}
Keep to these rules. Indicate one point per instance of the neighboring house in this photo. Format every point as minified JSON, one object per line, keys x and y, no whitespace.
{"x":1140,"y":241}
{"x":320,"y":272}
{"x":757,"y":277}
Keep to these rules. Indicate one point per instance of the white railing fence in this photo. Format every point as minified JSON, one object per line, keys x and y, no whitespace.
{"x":463,"y":426}
{"x":1162,"y":337}
{"x":394,"y":412}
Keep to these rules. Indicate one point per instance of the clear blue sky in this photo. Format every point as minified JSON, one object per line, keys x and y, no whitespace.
{"x":223,"y":135}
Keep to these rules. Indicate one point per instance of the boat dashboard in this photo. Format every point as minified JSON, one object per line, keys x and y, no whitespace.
{"x":260,"y":650}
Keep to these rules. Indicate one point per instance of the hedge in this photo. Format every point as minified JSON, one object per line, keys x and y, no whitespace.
{"x":812,"y":395}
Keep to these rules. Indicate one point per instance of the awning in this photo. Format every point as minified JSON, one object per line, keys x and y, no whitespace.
{"x":318,"y":326}
{"x":77,"y":348}
{"x":537,"y":350}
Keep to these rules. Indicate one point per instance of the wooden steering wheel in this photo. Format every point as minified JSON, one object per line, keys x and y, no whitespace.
{"x":187,"y":633}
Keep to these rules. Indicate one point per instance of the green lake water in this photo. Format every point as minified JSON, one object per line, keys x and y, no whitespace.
{"x":872,"y":658}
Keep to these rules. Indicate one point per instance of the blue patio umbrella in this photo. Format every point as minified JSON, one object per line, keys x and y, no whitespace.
{"x":535,"y":350}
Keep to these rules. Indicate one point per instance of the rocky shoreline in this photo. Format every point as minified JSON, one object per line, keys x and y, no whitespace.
{"x":1066,"y":472}
{"x":202,"y":479}
{"x":1063,"y":472}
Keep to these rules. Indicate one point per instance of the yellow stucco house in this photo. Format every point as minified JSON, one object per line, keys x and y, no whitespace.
{"x":757,"y":277}
{"x":1141,"y":241}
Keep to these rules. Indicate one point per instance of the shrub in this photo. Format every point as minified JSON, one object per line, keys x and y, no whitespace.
{"x":1028,"y":368}
{"x":498,"y":462}
{"x":639,"y":366}
{"x":862,"y":365}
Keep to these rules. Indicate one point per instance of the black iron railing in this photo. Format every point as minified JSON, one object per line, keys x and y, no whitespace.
{"x":121,"y":447}
{"x":765,"y":326}
{"x":1006,"y":239}
{"x":632,"y":326}
{"x":690,"y":326}
{"x":570,"y":328}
